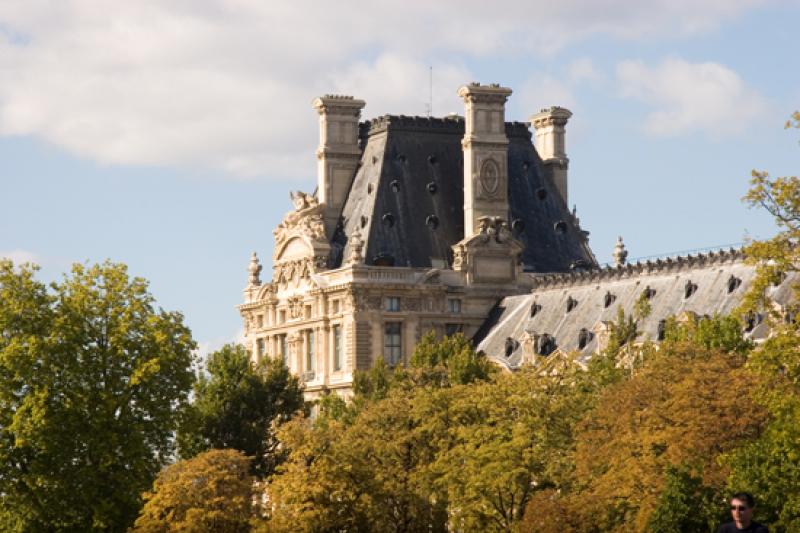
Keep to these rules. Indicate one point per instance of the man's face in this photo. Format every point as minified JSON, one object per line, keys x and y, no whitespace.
{"x":741,"y":512}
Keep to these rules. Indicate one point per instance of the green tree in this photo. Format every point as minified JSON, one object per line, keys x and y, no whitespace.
{"x":680,"y":408}
{"x":370,"y":474}
{"x":210,"y":493}
{"x":774,"y":257}
{"x":238,"y":405}
{"x":769,"y":466}
{"x":685,"y":504}
{"x":92,"y":378}
{"x":451,"y":360}
{"x":434,"y":363}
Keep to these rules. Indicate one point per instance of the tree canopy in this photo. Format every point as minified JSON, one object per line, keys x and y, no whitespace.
{"x":236,"y":406}
{"x":210,"y":492}
{"x":92,"y":378}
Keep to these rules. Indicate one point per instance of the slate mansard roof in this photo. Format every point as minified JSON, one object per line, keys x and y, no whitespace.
{"x":568,"y":308}
{"x":407,"y":198}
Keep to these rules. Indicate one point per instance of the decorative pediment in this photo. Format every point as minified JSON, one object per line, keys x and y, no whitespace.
{"x":301,"y":248}
{"x":491,"y":255}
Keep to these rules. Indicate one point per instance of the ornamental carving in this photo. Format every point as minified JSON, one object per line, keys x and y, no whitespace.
{"x":494,"y":228}
{"x":410,"y":304}
{"x":305,"y":220}
{"x":490,"y":178}
{"x":301,"y":247}
{"x":491,"y":255}
{"x":366,"y":301}
{"x":295,"y":306}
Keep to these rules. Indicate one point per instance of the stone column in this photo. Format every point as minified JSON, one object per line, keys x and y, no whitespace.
{"x":338,"y":153}
{"x":551,"y":145}
{"x":485,"y":148}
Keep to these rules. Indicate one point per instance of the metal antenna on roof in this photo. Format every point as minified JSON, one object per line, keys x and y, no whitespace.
{"x":430,"y":93}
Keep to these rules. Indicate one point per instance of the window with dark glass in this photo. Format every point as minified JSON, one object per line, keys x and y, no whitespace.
{"x":453,"y":305}
{"x":452,"y":329}
{"x":392,"y":342}
{"x":392,"y":303}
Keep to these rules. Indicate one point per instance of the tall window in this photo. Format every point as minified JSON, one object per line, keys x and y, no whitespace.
{"x":284,"y":350}
{"x":310,"y":355}
{"x":392,"y":303}
{"x":260,"y":348}
{"x":453,"y":305}
{"x":392,"y":342}
{"x":337,"y":348}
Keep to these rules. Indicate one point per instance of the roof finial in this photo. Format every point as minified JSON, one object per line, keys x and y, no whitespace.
{"x":620,"y":253}
{"x":255,"y":270}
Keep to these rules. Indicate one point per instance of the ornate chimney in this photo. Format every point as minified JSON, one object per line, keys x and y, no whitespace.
{"x":485,"y":148}
{"x":338,"y":153}
{"x":550,"y":144}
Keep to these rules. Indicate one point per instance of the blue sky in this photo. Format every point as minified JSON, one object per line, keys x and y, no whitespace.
{"x":167,"y":135}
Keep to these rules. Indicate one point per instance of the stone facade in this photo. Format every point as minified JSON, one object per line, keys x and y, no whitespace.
{"x":451,"y":225}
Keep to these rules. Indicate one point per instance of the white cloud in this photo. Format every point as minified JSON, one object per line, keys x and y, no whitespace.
{"x":19,"y":257}
{"x":558,"y":88}
{"x":227,"y":84}
{"x":544,"y":90}
{"x":395,"y":84}
{"x":706,"y":97}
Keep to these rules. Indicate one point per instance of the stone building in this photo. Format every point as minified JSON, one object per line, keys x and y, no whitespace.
{"x":454,"y":224}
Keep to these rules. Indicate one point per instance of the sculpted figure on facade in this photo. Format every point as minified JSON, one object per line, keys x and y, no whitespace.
{"x":306,"y":219}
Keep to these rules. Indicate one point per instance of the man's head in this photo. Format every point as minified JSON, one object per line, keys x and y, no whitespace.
{"x":742,"y":505}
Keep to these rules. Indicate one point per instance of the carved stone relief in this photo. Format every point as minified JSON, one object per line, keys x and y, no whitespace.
{"x":295,"y":306}
{"x":489,"y":179}
{"x":410,"y":304}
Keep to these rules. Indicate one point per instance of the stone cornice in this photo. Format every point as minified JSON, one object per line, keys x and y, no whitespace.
{"x":658,"y":266}
{"x":338,"y":104}
{"x":452,"y":124}
{"x":477,"y":93}
{"x":551,"y":116}
{"x":411,"y":123}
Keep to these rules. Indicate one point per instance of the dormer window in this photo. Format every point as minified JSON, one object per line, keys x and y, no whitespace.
{"x":733,"y":283}
{"x":608,"y":299}
{"x":571,"y":303}
{"x":545,"y":344}
{"x":511,"y":345}
{"x":584,"y":336}
{"x":689,"y":289}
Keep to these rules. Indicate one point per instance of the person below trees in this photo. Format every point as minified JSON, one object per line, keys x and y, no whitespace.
{"x":742,"y":505}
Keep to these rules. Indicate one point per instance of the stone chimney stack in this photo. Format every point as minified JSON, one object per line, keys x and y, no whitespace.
{"x":550,"y":144}
{"x":338,"y":153}
{"x":485,"y":148}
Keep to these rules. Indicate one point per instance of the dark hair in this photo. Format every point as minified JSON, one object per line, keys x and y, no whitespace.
{"x":745,"y":497}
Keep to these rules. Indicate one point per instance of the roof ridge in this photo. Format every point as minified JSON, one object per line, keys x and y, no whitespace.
{"x":581,"y":277}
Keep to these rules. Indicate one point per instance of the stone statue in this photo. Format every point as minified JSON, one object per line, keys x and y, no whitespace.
{"x":305,"y":219}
